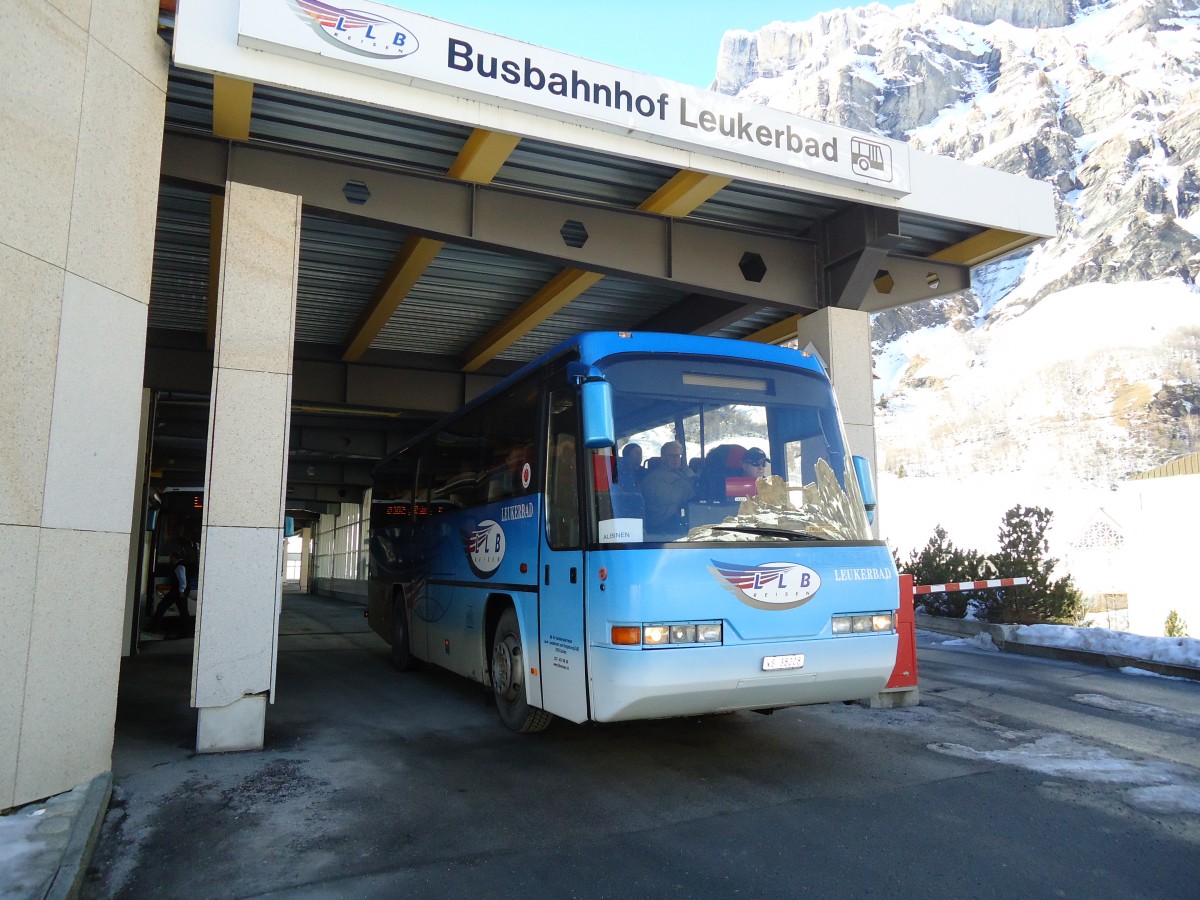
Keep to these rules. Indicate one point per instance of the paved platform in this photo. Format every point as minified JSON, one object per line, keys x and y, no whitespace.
{"x":47,"y":849}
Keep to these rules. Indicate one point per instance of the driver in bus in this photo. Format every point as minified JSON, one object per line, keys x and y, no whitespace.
{"x":667,"y":489}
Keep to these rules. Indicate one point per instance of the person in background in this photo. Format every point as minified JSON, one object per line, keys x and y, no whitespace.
{"x":176,"y":596}
{"x":629,"y":468}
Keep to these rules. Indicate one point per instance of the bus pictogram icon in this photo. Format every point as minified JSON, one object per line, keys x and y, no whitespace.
{"x":871,"y":159}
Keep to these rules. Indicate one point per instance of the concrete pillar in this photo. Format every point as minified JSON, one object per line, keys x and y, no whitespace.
{"x":82,"y":106}
{"x":843,"y":338}
{"x":237,"y":629}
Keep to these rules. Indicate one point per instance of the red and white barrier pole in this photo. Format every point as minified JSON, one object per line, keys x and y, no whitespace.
{"x":965,"y":585}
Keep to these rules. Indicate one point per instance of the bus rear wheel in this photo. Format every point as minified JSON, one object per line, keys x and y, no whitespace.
{"x":508,"y":679}
{"x":401,"y":653}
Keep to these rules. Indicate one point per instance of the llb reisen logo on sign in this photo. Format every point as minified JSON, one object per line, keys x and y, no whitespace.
{"x":485,"y":546}
{"x":773,"y":585}
{"x":364,"y":33}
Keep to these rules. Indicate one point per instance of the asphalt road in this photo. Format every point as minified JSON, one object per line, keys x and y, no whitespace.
{"x":1016,"y":777}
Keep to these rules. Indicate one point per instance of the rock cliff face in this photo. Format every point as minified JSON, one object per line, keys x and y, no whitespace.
{"x":1102,"y":101}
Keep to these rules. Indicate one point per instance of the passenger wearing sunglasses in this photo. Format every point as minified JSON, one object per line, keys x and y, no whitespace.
{"x":754,"y":463}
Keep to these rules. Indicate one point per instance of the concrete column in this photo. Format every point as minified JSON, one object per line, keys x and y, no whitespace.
{"x":237,"y":628}
{"x":843,"y":338}
{"x":82,"y":106}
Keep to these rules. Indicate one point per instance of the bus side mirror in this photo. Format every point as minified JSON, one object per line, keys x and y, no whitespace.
{"x":598,"y":431}
{"x":596,"y":398}
{"x":866,"y":484}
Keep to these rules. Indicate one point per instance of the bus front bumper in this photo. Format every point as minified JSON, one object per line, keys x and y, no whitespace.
{"x":640,"y":683}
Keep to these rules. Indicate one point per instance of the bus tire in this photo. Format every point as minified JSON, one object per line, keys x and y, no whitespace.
{"x":401,"y":652}
{"x":508,"y":679}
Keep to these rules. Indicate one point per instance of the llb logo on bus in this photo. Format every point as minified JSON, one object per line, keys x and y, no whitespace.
{"x":485,"y":545}
{"x":364,"y":33}
{"x":773,"y":585}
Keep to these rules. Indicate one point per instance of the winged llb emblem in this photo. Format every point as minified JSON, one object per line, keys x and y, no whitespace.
{"x":485,"y":545}
{"x":773,"y":585}
{"x":357,"y":31}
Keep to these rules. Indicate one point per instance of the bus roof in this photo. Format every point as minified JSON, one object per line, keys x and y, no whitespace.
{"x":596,"y":345}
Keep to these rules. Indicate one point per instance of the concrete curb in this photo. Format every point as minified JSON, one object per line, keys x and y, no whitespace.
{"x":85,"y":830}
{"x":1003,"y":637}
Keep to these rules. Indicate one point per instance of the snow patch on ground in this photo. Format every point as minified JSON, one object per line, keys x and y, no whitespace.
{"x":1133,"y":670}
{"x":1181,"y":651}
{"x":1061,"y":756}
{"x":981,"y":641}
{"x":1133,"y":708}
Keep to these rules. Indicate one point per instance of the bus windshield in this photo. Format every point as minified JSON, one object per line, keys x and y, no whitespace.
{"x":720,"y":449}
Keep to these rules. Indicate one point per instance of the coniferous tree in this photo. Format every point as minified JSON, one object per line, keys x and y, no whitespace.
{"x":1023,"y":552}
{"x":1175,"y":626}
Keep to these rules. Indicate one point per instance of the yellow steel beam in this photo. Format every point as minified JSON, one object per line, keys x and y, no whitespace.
{"x":232,"y":99}
{"x":780,"y":331}
{"x":216,"y":225}
{"x":549,"y":299}
{"x":410,"y":264}
{"x":479,"y":160}
{"x":983,"y":247}
{"x":482,"y":155}
{"x":686,"y":190}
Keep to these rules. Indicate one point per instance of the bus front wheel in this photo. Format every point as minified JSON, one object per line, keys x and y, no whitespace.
{"x":508,"y":679}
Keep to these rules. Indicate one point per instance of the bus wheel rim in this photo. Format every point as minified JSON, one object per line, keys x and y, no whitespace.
{"x":504,"y":668}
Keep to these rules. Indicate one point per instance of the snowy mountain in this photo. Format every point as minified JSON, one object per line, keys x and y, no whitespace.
{"x":1078,"y":359}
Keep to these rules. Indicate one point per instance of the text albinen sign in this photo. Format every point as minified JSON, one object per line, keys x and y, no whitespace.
{"x":392,"y":43}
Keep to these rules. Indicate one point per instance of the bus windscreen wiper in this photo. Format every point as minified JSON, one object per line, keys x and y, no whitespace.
{"x":767,"y":532}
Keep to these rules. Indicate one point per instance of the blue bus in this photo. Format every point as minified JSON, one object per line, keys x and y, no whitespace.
{"x":526,"y":543}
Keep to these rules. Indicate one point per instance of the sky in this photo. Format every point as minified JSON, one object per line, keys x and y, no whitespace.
{"x":673,"y":39}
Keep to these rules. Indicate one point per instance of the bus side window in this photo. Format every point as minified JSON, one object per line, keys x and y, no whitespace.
{"x":562,"y":489}
{"x":455,"y":479}
{"x":509,"y":432}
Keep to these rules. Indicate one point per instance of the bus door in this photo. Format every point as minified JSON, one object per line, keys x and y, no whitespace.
{"x":561,"y":585}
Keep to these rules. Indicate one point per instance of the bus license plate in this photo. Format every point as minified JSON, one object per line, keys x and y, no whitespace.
{"x":791,"y":661}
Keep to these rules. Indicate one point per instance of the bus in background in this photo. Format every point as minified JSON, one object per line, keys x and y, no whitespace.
{"x":517,"y":543}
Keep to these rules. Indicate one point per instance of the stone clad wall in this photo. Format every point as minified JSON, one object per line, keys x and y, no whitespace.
{"x":83,"y":105}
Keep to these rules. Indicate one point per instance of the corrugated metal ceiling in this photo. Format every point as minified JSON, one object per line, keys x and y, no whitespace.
{"x":466,"y":291}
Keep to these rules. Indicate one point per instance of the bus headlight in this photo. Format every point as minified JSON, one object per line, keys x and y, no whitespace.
{"x":868,"y":623}
{"x":683,"y":634}
{"x":655,"y":634}
{"x":662,"y":635}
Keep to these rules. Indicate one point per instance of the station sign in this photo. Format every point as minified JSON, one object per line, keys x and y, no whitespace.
{"x":386,"y":42}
